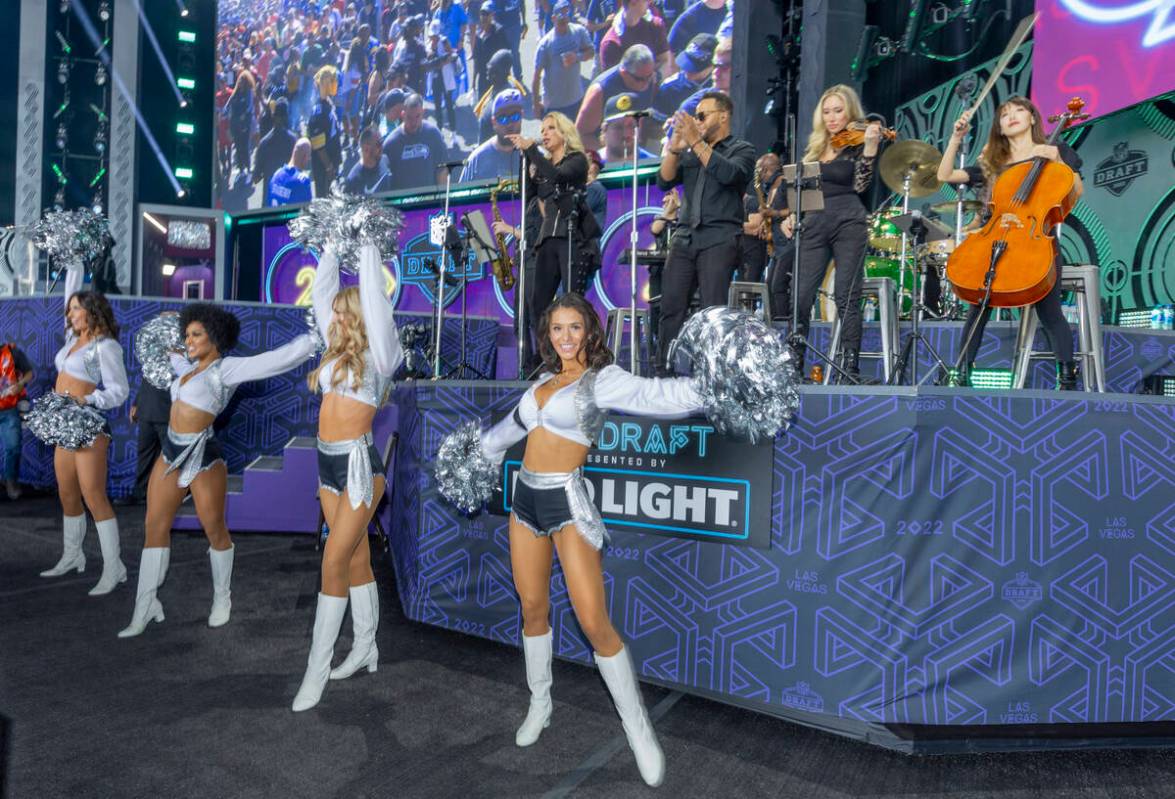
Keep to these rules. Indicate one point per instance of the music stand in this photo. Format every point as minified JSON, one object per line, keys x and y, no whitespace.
{"x":921,"y":231}
{"x":804,"y":194}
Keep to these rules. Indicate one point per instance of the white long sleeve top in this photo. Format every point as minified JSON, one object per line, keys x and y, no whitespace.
{"x":99,"y":361}
{"x":579,"y":415}
{"x":211,"y":389}
{"x":384,"y":354}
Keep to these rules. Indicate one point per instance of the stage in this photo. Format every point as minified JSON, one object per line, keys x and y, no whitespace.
{"x":945,"y":569}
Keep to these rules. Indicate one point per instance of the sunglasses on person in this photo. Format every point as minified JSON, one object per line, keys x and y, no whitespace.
{"x":702,"y":115}
{"x":507,"y":119}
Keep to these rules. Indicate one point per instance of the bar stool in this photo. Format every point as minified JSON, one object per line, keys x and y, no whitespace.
{"x":886,"y":291}
{"x":750,"y":297}
{"x":1083,"y":280}
{"x":614,"y":333}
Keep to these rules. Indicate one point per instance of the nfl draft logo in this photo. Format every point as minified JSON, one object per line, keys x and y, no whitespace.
{"x":802,"y":697}
{"x":1116,"y":173}
{"x":1022,"y":592}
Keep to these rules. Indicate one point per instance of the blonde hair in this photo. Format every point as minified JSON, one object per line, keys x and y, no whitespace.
{"x":325,"y":73}
{"x":820,"y":137}
{"x":346,"y":343}
{"x":571,"y":141}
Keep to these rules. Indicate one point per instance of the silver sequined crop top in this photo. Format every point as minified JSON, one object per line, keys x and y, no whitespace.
{"x":99,"y":361}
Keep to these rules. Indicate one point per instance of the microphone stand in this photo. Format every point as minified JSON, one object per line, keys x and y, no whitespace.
{"x":459,"y":250}
{"x":632,"y":244}
{"x":440,"y":312}
{"x":520,"y":286}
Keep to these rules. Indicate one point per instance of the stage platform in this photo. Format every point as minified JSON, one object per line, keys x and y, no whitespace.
{"x":944,"y":568}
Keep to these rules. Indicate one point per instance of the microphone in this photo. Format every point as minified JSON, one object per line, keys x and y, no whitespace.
{"x":635,"y":114}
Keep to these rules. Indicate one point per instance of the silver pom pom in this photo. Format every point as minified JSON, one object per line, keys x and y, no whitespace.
{"x":71,"y":236}
{"x":59,"y":421}
{"x":346,"y":223}
{"x":465,"y":476}
{"x":315,"y":333}
{"x":154,"y":343}
{"x":745,"y":372}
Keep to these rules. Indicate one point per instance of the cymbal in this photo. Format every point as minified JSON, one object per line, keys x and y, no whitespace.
{"x":916,"y":158}
{"x":969,"y":207}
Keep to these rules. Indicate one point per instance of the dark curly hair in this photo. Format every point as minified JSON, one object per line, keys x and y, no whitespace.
{"x":220,"y":325}
{"x":596,"y":352}
{"x":99,"y":314}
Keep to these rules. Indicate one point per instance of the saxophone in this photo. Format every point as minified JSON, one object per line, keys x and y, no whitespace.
{"x":765,"y":226}
{"x":503,"y":266}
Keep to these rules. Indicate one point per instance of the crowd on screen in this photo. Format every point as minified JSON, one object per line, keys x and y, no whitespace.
{"x":383,"y":93}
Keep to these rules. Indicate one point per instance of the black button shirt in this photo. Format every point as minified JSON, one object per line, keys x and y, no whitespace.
{"x":712,"y":206}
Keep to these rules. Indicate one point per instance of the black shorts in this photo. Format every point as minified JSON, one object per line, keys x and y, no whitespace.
{"x":541,"y":510}
{"x":332,"y":469}
{"x":212,"y":452}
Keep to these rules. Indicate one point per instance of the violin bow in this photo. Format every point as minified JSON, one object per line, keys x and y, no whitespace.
{"x":1018,"y":37}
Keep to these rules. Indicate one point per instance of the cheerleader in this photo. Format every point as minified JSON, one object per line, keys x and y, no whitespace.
{"x":91,"y":357}
{"x":191,"y":458}
{"x":363,"y":353}
{"x":560,"y":416}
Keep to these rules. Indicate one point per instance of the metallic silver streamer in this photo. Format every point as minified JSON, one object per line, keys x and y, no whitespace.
{"x":465,"y":476}
{"x":745,"y":372}
{"x":59,"y":421}
{"x":71,"y":236}
{"x":346,"y":223}
{"x":189,"y":234}
{"x":154,"y":343}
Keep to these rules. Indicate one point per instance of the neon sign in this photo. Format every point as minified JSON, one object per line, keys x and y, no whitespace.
{"x":1161,"y":29}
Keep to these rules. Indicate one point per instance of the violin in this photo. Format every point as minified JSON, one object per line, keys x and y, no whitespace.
{"x":1010,"y":261}
{"x":854,"y":135}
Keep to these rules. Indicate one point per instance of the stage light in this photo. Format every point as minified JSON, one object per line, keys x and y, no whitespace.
{"x":914,"y":22}
{"x":187,"y":36}
{"x":865,"y":44}
{"x":884,"y":47}
{"x":63,"y":71}
{"x":101,"y":173}
{"x":971,"y":9}
{"x":183,"y":172}
{"x":63,"y":7}
{"x":155,"y":223}
{"x":185,"y":128}
{"x":62,"y":137}
{"x":104,"y":10}
{"x":991,"y":378}
{"x":97,"y":206}
{"x":185,"y":83}
{"x":183,"y":7}
{"x":1159,"y":385}
{"x":940,"y":14}
{"x":59,"y":198}
{"x":100,"y":139}
{"x":180,"y":193}
{"x":168,"y":270}
{"x":100,"y":74}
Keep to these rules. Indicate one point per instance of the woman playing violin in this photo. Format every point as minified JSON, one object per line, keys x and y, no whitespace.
{"x":840,"y":230}
{"x":1018,"y":136}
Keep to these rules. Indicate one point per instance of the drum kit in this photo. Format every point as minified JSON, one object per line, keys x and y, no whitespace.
{"x":910,"y":169}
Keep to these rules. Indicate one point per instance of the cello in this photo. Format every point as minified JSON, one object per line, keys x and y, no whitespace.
{"x":1010,"y":261}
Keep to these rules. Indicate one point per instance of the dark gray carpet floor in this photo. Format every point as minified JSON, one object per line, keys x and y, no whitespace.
{"x":186,"y":711}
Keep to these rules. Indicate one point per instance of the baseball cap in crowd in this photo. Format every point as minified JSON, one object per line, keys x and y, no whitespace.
{"x":392,"y":98}
{"x":487,"y":7}
{"x":698,"y":53}
{"x":507,"y":98}
{"x":561,"y":7}
{"x":434,"y":28}
{"x":500,"y":60}
{"x":621,"y":104}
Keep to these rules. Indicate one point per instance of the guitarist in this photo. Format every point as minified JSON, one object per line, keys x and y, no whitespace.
{"x":1017,"y":136}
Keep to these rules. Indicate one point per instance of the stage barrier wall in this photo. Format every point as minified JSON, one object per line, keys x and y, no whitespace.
{"x":936,"y":558}
{"x":262,"y":416}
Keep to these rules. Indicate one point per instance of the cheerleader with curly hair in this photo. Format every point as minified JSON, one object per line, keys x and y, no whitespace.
{"x":91,"y":357}
{"x":362,"y":355}
{"x":191,"y":457}
{"x":560,"y":417}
